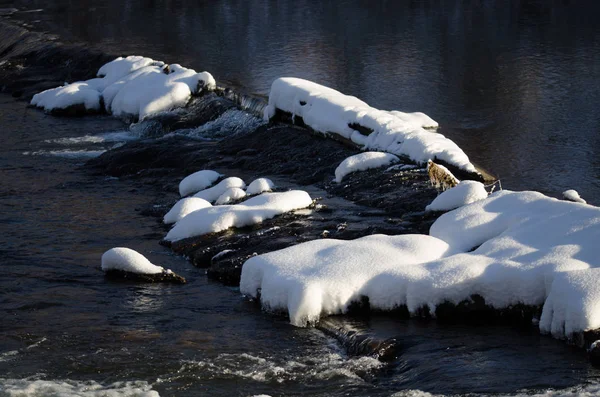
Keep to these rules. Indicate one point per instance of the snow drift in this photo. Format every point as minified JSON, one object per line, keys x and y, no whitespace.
{"x":510,"y":248}
{"x":363,"y":161}
{"x":128,"y":260}
{"x":329,"y":111}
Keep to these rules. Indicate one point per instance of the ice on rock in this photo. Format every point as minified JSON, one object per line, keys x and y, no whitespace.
{"x":573,"y":195}
{"x":466,"y":192}
{"x":133,"y":86}
{"x":197,"y":181}
{"x":213,"y":193}
{"x":184,"y":207}
{"x":504,"y":248}
{"x":259,"y":186}
{"x":128,"y":260}
{"x":252,"y":211}
{"x":362,"y":162}
{"x":79,"y":93}
{"x":329,"y":111}
{"x":231,"y":194}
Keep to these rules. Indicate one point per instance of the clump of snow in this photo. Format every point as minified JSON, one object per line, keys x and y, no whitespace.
{"x":216,"y":191}
{"x":259,"y":186}
{"x":231,"y":194}
{"x":197,"y":181}
{"x":329,"y":111}
{"x":363,"y":161}
{"x":323,"y":277}
{"x":79,"y":93}
{"x":128,"y":260}
{"x":573,"y":304}
{"x":184,"y":207}
{"x":466,"y":192}
{"x":573,"y":195}
{"x":503,"y":248}
{"x":133,"y":86}
{"x":416,"y":118}
{"x":252,"y":211}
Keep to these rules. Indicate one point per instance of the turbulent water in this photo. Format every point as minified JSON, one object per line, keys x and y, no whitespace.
{"x":515,"y":86}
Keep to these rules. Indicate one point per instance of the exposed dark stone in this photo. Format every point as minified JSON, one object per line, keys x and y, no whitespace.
{"x":594,"y":353}
{"x":164,"y":277}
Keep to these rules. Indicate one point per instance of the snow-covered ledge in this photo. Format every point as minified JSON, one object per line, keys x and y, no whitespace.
{"x":332,"y":113}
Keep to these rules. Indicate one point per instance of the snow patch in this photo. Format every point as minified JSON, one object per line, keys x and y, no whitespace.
{"x":329,"y":111}
{"x":184,"y":207}
{"x":79,"y":93}
{"x":252,"y":211}
{"x":197,"y":181}
{"x":573,"y":195}
{"x":363,"y":161}
{"x":128,"y":260}
{"x":259,"y":186}
{"x":215,"y":192}
{"x":231,"y":194}
{"x":466,"y":192}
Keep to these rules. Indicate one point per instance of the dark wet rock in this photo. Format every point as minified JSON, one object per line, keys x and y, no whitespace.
{"x":165,"y":277}
{"x":594,"y":353}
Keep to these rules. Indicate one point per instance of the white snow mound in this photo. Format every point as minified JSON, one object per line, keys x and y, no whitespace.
{"x":362,"y":162}
{"x":466,"y":192}
{"x":79,"y":93}
{"x":231,"y":194}
{"x":216,"y":191}
{"x":329,"y":111}
{"x":197,"y":181}
{"x":133,"y":86}
{"x":259,"y":186}
{"x":252,"y":211}
{"x":504,"y":248}
{"x":128,"y":260}
{"x":573,"y":195}
{"x":183,"y":207}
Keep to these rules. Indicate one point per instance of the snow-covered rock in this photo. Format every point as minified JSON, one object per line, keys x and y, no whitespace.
{"x":133,"y":86}
{"x":466,"y":192}
{"x":183,"y":207}
{"x":197,"y":181}
{"x":77,"y":94}
{"x":363,"y":161}
{"x":128,"y":260}
{"x":213,"y":193}
{"x":231,"y":194}
{"x":573,"y":195}
{"x":252,"y":211}
{"x":329,"y":111}
{"x":259,"y":186}
{"x":504,"y":248}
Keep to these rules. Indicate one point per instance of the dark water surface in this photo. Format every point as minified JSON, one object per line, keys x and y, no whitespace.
{"x":515,"y":85}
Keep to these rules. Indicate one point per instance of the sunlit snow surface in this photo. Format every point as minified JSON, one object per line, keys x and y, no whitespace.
{"x":132,"y":86}
{"x":519,"y":242}
{"x":362,"y":162}
{"x":329,"y":111}
{"x":128,"y":260}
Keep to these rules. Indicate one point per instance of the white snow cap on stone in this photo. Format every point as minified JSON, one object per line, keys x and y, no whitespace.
{"x":362,"y":162}
{"x":128,"y":260}
{"x":466,"y":192}
{"x":252,"y":211}
{"x":231,"y":194}
{"x":79,"y":93}
{"x":216,"y":191}
{"x":184,"y":207}
{"x":506,"y":248}
{"x":133,"y":86}
{"x":259,"y":186}
{"x":197,"y":181}
{"x":329,"y":111}
{"x":573,"y":195}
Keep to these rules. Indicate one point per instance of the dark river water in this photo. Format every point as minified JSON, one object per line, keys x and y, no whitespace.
{"x":515,"y":84}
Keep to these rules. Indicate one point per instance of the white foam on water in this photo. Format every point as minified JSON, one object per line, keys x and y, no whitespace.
{"x":230,"y":123}
{"x":67,"y":388}
{"x":68,"y":154}
{"x":587,"y":390}
{"x":109,"y":137}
